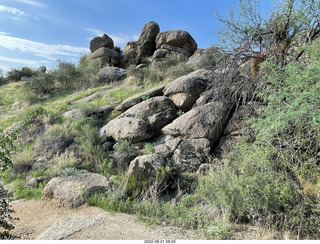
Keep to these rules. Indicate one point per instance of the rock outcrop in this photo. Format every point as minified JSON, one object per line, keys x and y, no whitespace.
{"x":151,"y":43}
{"x":185,"y":90}
{"x":143,"y":121}
{"x":207,"y":121}
{"x":73,"y":191}
{"x":107,"y":56}
{"x":108,"y":74}
{"x":130,"y":102}
{"x":177,"y":38}
{"x":144,"y":47}
{"x":99,"y":42}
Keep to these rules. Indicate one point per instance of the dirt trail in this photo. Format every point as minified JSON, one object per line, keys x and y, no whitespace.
{"x":37,"y":216}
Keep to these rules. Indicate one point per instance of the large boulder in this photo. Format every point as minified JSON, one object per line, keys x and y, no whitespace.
{"x":142,"y":172}
{"x":42,"y":69}
{"x":130,"y":102}
{"x":177,"y":38}
{"x":190,"y":154}
{"x":106,"y":55}
{"x":207,"y":121}
{"x":108,"y":74}
{"x":135,"y":51}
{"x":146,"y":41}
{"x":166,"y":50}
{"x":103,"y":41}
{"x":73,"y":191}
{"x":143,"y":121}
{"x":185,"y":90}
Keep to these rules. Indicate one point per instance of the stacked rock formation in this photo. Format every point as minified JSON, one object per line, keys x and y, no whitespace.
{"x":151,"y":43}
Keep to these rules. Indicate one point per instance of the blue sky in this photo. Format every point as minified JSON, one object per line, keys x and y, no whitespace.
{"x":39,"y":32}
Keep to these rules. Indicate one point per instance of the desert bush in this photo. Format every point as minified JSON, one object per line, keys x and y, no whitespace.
{"x":15,"y":75}
{"x":22,"y":160}
{"x":157,"y":70}
{"x":66,"y":74}
{"x":88,"y":72}
{"x":124,"y":153}
{"x":148,"y":148}
{"x":6,"y":146}
{"x":179,"y":70}
{"x":39,"y":85}
{"x":210,"y":58}
{"x":273,"y":181}
{"x":62,"y":164}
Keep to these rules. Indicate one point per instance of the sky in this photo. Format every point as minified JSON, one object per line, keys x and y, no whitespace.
{"x":40,"y":32}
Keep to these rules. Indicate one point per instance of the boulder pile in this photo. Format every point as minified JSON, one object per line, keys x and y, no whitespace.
{"x":151,"y":43}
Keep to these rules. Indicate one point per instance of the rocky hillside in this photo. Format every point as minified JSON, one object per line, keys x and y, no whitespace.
{"x":201,"y":139}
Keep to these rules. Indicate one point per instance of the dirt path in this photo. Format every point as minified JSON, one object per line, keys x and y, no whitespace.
{"x":39,"y":216}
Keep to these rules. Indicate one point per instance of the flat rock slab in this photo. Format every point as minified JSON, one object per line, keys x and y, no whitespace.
{"x":73,"y":191}
{"x":69,"y":226}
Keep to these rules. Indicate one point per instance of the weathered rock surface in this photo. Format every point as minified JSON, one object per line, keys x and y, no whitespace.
{"x":106,"y":55}
{"x":185,"y":90}
{"x":236,"y":126}
{"x":42,"y":69}
{"x":130,"y":102}
{"x":167,"y":148}
{"x":177,"y":38}
{"x":190,"y":154}
{"x":73,"y":113}
{"x":146,"y":41}
{"x":145,"y":167}
{"x":69,"y":226}
{"x":73,"y":191}
{"x":143,"y":121}
{"x":207,"y":121}
{"x":143,"y":171}
{"x":166,"y":50}
{"x":90,"y":97}
{"x":135,"y":51}
{"x":196,"y":58}
{"x":103,"y":41}
{"x":108,"y":74}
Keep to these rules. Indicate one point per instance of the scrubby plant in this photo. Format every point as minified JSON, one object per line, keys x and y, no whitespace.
{"x":15,"y":75}
{"x":274,"y":181}
{"x":6,"y":145}
{"x":169,"y":67}
{"x":125,"y":152}
{"x":40,"y":84}
{"x":22,"y":160}
{"x":148,"y":148}
{"x":210,"y":58}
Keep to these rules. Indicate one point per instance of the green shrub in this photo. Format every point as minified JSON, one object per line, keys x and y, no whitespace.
{"x":148,"y":148}
{"x":22,"y":161}
{"x":6,"y":146}
{"x":125,"y":152}
{"x":275,"y":180}
{"x":179,"y":70}
{"x":66,"y":74}
{"x":28,"y":192}
{"x":211,"y":57}
{"x":158,"y":71}
{"x":71,"y":171}
{"x":15,"y":75}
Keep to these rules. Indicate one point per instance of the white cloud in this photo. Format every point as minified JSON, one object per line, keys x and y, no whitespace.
{"x":16,"y":12}
{"x":32,"y":3}
{"x":119,"y":39}
{"x":95,"y":32}
{"x":47,"y":51}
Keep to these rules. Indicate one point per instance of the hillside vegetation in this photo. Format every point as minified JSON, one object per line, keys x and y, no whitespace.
{"x":241,"y":147}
